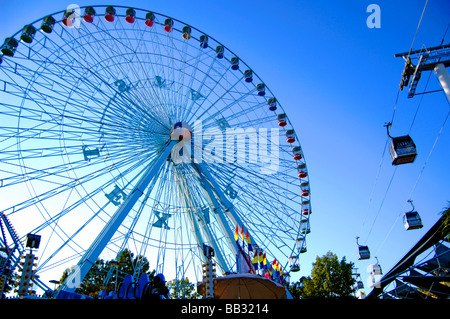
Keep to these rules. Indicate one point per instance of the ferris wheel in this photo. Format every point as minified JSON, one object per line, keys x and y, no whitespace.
{"x":124,"y":128}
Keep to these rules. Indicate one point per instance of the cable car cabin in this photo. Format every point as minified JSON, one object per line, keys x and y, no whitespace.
{"x":360,"y":285}
{"x":412,"y":220}
{"x":402,"y":150}
{"x":363,"y":252}
{"x":375,"y":269}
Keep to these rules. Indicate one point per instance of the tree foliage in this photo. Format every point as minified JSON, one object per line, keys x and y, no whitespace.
{"x":95,"y":279}
{"x":182,"y":289}
{"x":330,"y":278}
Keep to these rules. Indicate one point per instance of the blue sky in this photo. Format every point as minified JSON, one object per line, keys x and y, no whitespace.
{"x":337,"y":80}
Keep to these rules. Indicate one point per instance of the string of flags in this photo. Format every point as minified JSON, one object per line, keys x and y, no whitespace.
{"x":273,"y":270}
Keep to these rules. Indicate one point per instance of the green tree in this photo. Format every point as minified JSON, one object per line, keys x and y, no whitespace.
{"x":182,"y":289}
{"x":94,"y":280}
{"x":330,"y":278}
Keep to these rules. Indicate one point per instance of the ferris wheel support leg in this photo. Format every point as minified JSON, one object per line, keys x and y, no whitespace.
{"x":211,"y":183}
{"x":444,"y":79}
{"x":223,"y":224}
{"x":93,"y":252}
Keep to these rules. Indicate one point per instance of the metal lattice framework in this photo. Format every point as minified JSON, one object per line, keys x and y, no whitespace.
{"x":87,"y":109}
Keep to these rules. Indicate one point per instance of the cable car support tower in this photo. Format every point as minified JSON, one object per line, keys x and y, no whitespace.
{"x":435,"y":59}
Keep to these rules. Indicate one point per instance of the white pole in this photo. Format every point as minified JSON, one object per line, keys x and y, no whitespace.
{"x":444,"y":79}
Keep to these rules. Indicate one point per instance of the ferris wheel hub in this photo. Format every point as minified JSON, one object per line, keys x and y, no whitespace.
{"x":181,"y":131}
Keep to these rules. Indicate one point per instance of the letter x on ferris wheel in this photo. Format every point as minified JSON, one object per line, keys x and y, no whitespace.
{"x":123,"y":128}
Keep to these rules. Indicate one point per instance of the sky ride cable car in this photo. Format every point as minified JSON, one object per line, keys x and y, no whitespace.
{"x":359,"y":283}
{"x":375,"y":269}
{"x":402,"y":148}
{"x":363,"y":251}
{"x":411,"y":219}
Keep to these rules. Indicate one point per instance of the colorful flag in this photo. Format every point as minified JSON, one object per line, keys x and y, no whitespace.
{"x":236,"y":233}
{"x":264,"y":262}
{"x":275,"y":269}
{"x":255,"y":261}
{"x":260,"y":259}
{"x":249,"y":243}
{"x":242,"y":232}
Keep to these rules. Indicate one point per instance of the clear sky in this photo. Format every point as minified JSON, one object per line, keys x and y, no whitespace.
{"x":337,"y":80}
